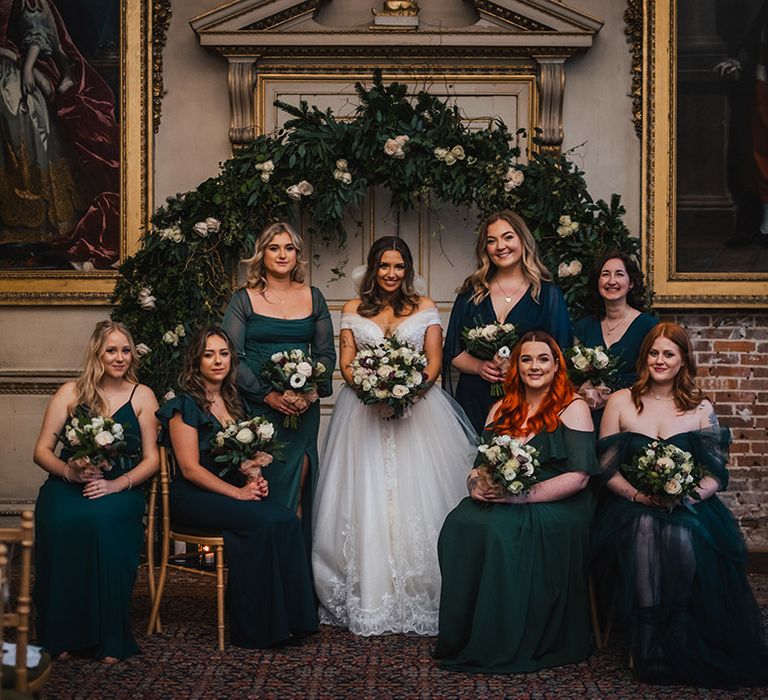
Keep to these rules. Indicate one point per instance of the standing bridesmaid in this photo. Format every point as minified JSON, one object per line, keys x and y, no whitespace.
{"x":273,"y":312}
{"x":619,"y":321}
{"x":510,"y":285}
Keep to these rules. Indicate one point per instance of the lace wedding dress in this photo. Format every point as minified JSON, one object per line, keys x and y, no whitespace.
{"x":384,"y":490}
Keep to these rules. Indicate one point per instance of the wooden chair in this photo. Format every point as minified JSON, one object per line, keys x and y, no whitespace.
{"x":180,"y":533}
{"x":20,"y":677}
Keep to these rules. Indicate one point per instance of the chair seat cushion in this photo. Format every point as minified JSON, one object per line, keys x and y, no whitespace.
{"x":184,"y":529}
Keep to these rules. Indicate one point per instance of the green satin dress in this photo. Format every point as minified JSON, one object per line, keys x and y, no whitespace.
{"x":514,"y":590}
{"x":256,"y":338}
{"x":86,"y":556}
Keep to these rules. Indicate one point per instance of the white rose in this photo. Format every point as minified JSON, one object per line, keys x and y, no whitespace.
{"x":517,"y":178}
{"x":201,"y":229}
{"x":146,"y":300}
{"x":293,"y":193}
{"x":71,"y":435}
{"x":574,"y":268}
{"x":276,"y":357}
{"x":385,"y":371}
{"x":75,"y":423}
{"x":449,"y":159}
{"x":601,"y":360}
{"x":509,"y":474}
{"x":673,"y":487}
{"x":564,"y":231}
{"x":391,"y":147}
{"x":268,"y":166}
{"x":458,"y":152}
{"x":320,"y":367}
{"x":117,"y":431}
{"x":179,"y":330}
{"x":170,"y":338}
{"x":574,"y":227}
{"x":440,"y":153}
{"x":265,"y":431}
{"x":305,"y":188}
{"x":503,"y":440}
{"x":213,"y":224}
{"x":563,"y":271}
{"x":665,"y":463}
{"x":528,"y":469}
{"x":342,"y":164}
{"x":516,"y":486}
{"x":398,"y":391}
{"x":346,"y":178}
{"x":297,"y":381}
{"x":580,"y":362}
{"x":304,"y":368}
{"x":245,"y":436}
{"x":366,"y":385}
{"x":169,"y":395}
{"x":219,"y":440}
{"x":380,"y":394}
{"x":142,"y":349}
{"x":103,"y":438}
{"x":565,"y":220}
{"x":97,"y":423}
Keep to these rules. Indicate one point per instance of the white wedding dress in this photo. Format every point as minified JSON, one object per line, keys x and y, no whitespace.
{"x":384,"y":490}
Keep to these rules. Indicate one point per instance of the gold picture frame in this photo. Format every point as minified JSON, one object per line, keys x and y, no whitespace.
{"x":673,"y":286}
{"x":137,"y":67}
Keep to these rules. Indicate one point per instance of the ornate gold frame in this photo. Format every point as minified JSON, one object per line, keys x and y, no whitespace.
{"x":674,"y":289}
{"x":59,"y":287}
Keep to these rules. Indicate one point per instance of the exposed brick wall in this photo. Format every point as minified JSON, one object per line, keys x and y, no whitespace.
{"x":732,"y":354}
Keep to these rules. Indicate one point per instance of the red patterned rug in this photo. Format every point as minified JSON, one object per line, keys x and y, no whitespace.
{"x":184,"y":663}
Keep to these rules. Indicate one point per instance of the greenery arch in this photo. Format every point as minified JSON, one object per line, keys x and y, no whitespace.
{"x":415,"y":145}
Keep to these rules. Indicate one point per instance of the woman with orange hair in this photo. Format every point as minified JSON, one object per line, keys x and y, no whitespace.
{"x":673,"y":567}
{"x":514,"y":567}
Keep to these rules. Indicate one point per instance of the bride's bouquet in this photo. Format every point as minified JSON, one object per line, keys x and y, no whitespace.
{"x":593,"y":371}
{"x":246,"y":445}
{"x":510,"y":464}
{"x":296,"y":375}
{"x":667,"y":471}
{"x":98,"y":439}
{"x":491,"y":342}
{"x":389,"y":374}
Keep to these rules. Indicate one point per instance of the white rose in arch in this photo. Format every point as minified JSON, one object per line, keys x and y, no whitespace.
{"x":565,"y":220}
{"x":179,"y":330}
{"x":458,"y":152}
{"x":104,"y":438}
{"x":201,"y":229}
{"x":146,"y":300}
{"x":563,"y":270}
{"x":293,"y":193}
{"x":564,"y":231}
{"x":170,"y":338}
{"x":342,"y":164}
{"x":297,"y":381}
{"x":440,"y":153}
{"x":574,"y":268}
{"x":399,"y":390}
{"x":402,"y":139}
{"x":346,"y":178}
{"x":142,"y":349}
{"x":306,"y":189}
{"x":213,"y":224}
{"x":449,"y":159}
{"x":245,"y":436}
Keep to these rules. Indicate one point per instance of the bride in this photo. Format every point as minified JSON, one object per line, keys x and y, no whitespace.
{"x":386,"y":485}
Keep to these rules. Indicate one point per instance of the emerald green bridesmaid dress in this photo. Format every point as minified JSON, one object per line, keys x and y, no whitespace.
{"x":514,"y":590}
{"x":86,"y":556}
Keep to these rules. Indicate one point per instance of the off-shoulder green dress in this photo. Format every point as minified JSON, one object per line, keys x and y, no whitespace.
{"x":514,"y":590}
{"x":676,"y":580}
{"x":269,"y":585}
{"x":86,"y":556}
{"x":257,"y":338}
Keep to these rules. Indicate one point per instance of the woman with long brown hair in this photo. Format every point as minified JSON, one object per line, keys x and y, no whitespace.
{"x":275,"y":311}
{"x":510,"y":285}
{"x":514,"y":567}
{"x":88,"y":517}
{"x":270,"y":601}
{"x":673,"y":568}
{"x":386,"y":485}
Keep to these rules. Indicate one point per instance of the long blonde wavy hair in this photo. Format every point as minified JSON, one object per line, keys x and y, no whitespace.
{"x":87,"y":387}
{"x":534,"y":270}
{"x":256,"y":273}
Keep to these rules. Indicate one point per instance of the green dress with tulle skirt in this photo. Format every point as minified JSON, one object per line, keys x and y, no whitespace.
{"x":257,"y":338}
{"x":514,"y":591}
{"x":86,"y":556}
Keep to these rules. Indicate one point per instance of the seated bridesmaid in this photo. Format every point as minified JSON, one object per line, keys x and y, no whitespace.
{"x":618,"y":322}
{"x":676,"y":576}
{"x":270,"y":601}
{"x":514,"y":567}
{"x":88,"y":524}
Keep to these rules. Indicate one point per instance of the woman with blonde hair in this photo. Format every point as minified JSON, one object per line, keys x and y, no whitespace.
{"x":276,"y":311}
{"x":673,"y":568}
{"x":510,"y":285}
{"x":88,"y":517}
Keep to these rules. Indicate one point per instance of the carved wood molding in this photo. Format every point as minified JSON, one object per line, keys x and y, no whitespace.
{"x":241,"y":77}
{"x":161,"y":20}
{"x":633,"y":18}
{"x":550,"y":78}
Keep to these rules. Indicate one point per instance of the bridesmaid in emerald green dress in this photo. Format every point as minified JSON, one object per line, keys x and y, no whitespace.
{"x":270,"y":600}
{"x":514,"y":567}
{"x":88,"y":524}
{"x":619,"y":321}
{"x":275,"y":311}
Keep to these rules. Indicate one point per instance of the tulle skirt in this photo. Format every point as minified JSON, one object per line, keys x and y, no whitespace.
{"x":384,"y":490}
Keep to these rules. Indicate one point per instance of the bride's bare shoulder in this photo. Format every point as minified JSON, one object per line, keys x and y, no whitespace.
{"x":351,"y":306}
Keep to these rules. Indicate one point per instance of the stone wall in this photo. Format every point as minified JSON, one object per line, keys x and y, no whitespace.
{"x":732,"y":354}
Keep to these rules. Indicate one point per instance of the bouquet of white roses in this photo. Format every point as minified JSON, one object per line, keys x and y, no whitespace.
{"x":593,"y":371}
{"x":295,"y":375}
{"x":491,"y":342}
{"x":665,"y":470}
{"x":390,"y":374}
{"x":96,"y":438}
{"x":510,"y":463}
{"x":246,"y":445}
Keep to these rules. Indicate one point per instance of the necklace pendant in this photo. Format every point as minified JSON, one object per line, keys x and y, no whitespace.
{"x":508,"y":299}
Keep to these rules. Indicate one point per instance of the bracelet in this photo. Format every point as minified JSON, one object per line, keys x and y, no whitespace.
{"x":130,"y":483}
{"x":637,"y":493}
{"x":65,"y":474}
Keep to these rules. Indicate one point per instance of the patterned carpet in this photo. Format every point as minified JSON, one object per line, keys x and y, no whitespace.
{"x":184,"y":663}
